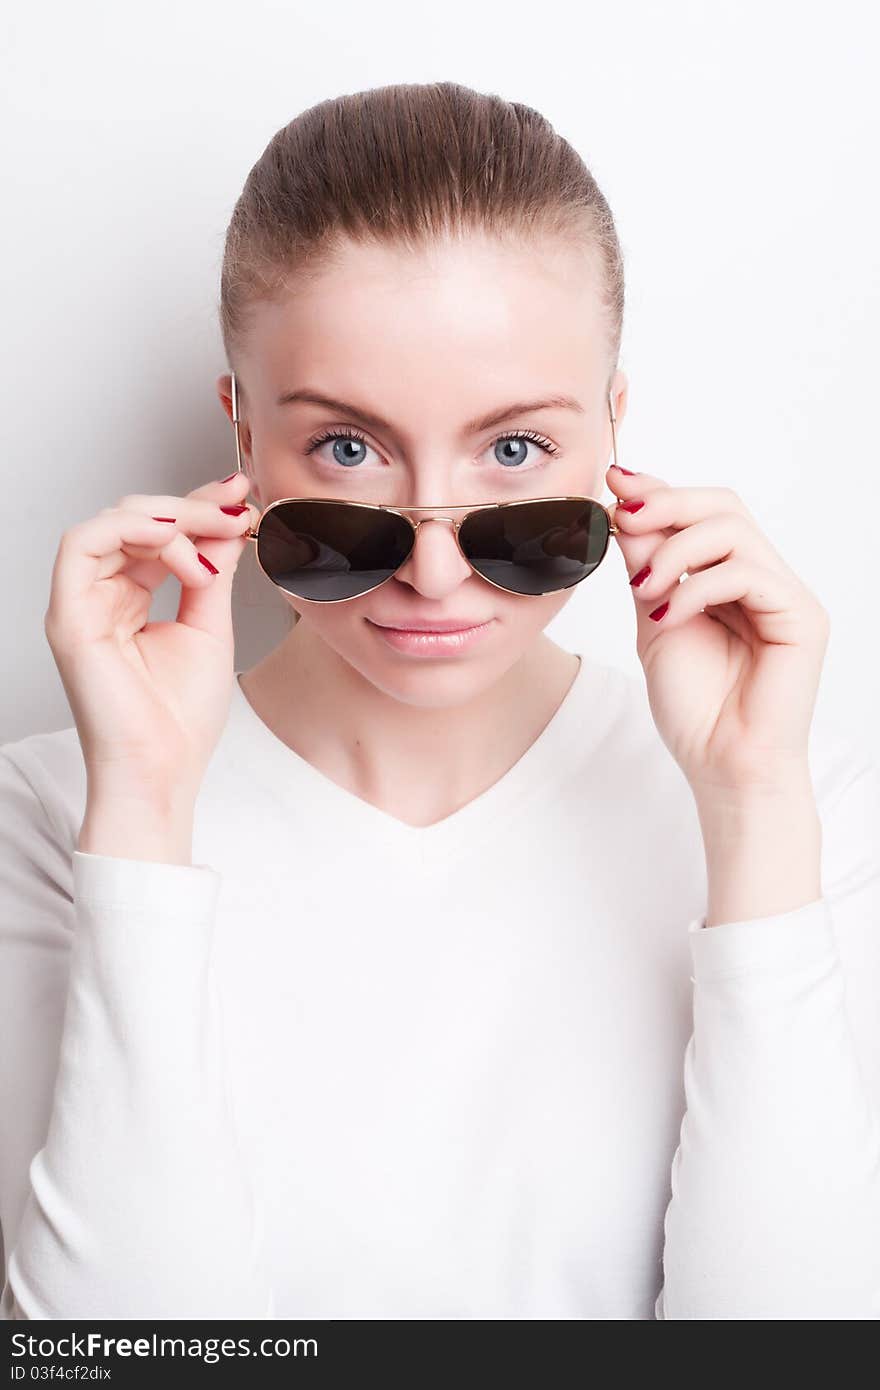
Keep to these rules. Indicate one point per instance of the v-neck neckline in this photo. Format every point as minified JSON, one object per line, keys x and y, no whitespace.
{"x":570,"y":733}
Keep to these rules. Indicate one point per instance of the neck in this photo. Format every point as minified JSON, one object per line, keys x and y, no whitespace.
{"x":369,"y":741}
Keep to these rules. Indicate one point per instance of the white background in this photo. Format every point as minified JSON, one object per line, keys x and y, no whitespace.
{"x":736,"y":143}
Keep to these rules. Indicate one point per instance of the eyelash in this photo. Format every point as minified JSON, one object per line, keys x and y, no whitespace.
{"x":349,"y":433}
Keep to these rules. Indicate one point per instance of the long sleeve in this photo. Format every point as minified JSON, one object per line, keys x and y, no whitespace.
{"x":775,"y":1184}
{"x":124,"y":1191}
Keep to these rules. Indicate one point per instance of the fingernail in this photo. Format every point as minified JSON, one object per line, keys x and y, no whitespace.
{"x":630,"y":506}
{"x":640,"y":578}
{"x":207,"y":563}
{"x":628,"y":471}
{"x":229,"y":479}
{"x":659,"y":612}
{"x":164,"y":518}
{"x":233,"y":511}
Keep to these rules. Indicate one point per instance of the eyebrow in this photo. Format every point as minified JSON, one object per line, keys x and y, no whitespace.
{"x":483,"y":422}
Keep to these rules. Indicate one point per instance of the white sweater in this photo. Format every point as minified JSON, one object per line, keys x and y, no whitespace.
{"x":496,"y":1067}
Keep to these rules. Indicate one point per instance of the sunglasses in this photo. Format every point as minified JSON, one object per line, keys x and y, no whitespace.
{"x":329,"y":551}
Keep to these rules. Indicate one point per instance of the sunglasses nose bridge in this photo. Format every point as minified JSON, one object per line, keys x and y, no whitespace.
{"x":455,"y":523}
{"x":417,"y":524}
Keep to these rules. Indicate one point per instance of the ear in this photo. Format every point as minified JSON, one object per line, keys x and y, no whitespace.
{"x":224,"y":392}
{"x":620,"y":396}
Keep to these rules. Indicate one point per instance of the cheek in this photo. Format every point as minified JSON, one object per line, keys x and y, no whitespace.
{"x":335,"y":621}
{"x":538,"y":612}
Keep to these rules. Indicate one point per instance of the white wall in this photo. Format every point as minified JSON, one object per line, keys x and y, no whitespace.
{"x":736,"y":143}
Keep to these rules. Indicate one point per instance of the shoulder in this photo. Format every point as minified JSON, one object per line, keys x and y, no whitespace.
{"x":42,"y":801}
{"x":846,"y":783}
{"x":625,"y":754}
{"x":42,"y":781}
{"x":844,"y":771}
{"x":43,"y":778}
{"x":617,"y":701}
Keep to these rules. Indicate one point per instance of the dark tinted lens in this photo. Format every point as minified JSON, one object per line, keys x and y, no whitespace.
{"x":323,"y":550}
{"x":536,"y":547}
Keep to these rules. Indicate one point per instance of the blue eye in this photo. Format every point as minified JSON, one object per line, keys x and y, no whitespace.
{"x":519,"y":437}
{"x":345,"y":455}
{"x":348,"y":456}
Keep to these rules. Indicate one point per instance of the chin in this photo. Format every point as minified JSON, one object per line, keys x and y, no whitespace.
{"x":427,"y":683}
{"x":431,"y":689}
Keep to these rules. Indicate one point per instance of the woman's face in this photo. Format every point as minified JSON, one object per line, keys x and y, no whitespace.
{"x":419,"y":345}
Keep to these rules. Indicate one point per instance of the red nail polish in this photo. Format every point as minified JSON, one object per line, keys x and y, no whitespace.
{"x":628,"y":471}
{"x":229,"y":479}
{"x":164,"y":518}
{"x":640,"y":578}
{"x":233,"y":511}
{"x":659,"y":612}
{"x":207,"y":563}
{"x":630,"y":506}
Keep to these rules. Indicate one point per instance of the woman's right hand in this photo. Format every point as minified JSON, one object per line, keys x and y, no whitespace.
{"x":150,"y":700}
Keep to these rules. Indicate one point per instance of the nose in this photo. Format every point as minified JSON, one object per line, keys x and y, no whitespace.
{"x":435,"y":566}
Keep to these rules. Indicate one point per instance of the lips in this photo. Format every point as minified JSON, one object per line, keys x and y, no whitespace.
{"x":421,"y":643}
{"x":435,"y":625}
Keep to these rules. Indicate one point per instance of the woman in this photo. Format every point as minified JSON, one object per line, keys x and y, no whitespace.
{"x":420,"y":976}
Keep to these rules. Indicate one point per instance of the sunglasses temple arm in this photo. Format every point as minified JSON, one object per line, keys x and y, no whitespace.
{"x":235,"y":422}
{"x":613,"y":421}
{"x":614,"y":529}
{"x":250,"y":534}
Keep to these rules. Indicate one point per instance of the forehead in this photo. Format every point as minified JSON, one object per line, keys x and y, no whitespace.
{"x":472,"y":316}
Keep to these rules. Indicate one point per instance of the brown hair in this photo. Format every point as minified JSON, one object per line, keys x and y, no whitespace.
{"x":405,"y":164}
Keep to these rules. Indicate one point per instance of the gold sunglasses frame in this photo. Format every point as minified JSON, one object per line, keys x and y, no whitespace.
{"x":251,"y":534}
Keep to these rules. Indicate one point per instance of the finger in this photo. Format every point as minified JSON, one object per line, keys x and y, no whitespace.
{"x":98,"y":548}
{"x":93,"y":549}
{"x":209,"y":606}
{"x":179,"y":554}
{"x":637,"y":549}
{"x":665,"y":507}
{"x":649,"y":511}
{"x":206,"y":566}
{"x":199,"y":513}
{"x":705,"y":543}
{"x":235,"y":488}
{"x":627,"y":483}
{"x":152,"y":573}
{"x":195,"y":516}
{"x":778,"y":606}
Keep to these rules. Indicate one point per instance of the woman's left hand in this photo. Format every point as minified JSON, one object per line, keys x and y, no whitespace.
{"x":733,"y":665}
